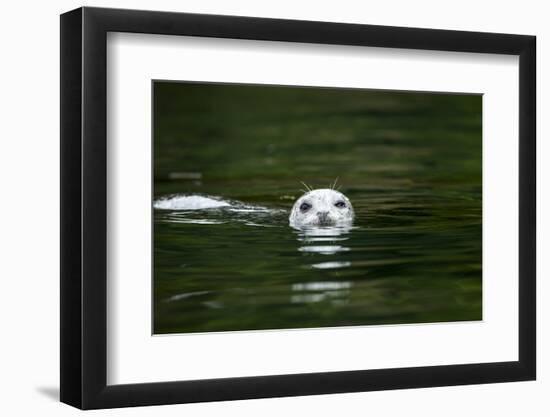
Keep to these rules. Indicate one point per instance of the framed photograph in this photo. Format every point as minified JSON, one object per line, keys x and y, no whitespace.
{"x":259,"y":208}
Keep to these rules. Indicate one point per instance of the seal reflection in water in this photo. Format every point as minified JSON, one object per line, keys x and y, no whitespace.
{"x":320,"y":208}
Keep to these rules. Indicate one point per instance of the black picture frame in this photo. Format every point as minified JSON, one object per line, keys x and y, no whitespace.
{"x":84,"y":207}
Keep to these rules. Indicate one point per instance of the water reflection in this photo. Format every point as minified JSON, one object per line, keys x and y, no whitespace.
{"x":311,"y":236}
{"x":313,"y":292}
{"x":332,"y":265}
{"x":335,"y":292}
{"x":323,"y":232}
{"x":323,"y":249}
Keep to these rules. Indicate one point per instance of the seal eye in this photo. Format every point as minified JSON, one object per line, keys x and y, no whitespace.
{"x":340,"y":204}
{"x":305,"y":206}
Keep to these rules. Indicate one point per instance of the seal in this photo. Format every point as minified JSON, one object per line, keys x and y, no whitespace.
{"x":321,"y":207}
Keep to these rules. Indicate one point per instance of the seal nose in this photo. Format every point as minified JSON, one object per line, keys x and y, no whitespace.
{"x":323,"y":216}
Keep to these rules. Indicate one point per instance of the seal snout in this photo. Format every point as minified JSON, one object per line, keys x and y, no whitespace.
{"x":323,"y":217}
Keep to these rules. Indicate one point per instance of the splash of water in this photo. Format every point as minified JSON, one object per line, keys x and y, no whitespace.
{"x":189,"y":202}
{"x":212,"y":210}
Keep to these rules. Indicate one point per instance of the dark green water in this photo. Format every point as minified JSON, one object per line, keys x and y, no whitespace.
{"x":410,"y":163}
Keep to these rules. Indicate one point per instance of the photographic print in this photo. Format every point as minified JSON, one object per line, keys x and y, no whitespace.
{"x":317,"y":216}
{"x":286,"y":207}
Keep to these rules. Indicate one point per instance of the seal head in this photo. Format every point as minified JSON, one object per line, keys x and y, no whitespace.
{"x":322,"y":207}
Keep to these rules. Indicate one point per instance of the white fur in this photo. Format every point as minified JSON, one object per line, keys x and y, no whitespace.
{"x":323,"y":210}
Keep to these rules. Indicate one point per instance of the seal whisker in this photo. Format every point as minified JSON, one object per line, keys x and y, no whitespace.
{"x":334,"y":184}
{"x":307,"y":186}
